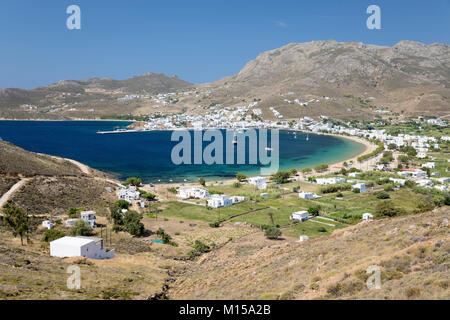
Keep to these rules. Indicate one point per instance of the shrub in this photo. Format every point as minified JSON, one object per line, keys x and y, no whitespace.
{"x":383,"y":195}
{"x":272,"y":233}
{"x":335,"y":188}
{"x":236,"y":185}
{"x":198,"y":248}
{"x":388,"y":187}
{"x":52,"y":235}
{"x":74,"y":212}
{"x":280,"y":176}
{"x":412,"y":292}
{"x":240,"y":177}
{"x":132,"y":223}
{"x":386,"y":209}
{"x":314,"y":210}
{"x":81,"y":228}
{"x":133,"y":181}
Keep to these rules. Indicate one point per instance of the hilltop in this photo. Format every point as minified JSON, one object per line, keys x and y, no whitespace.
{"x":50,"y":185}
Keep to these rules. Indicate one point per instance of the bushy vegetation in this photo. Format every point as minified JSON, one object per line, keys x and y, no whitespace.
{"x":280,"y":176}
{"x":52,"y":235}
{"x":272,"y":233}
{"x":332,"y":188}
{"x":198,"y":248}
{"x":81,"y":228}
{"x":133,"y":181}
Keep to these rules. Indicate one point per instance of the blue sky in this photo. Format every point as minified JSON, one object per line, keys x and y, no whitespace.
{"x":197,"y":40}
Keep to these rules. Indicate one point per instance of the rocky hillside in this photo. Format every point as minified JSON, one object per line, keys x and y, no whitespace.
{"x":409,"y":77}
{"x":85,"y":99}
{"x":16,"y":161}
{"x":51,"y":185}
{"x":339,"y":79}
{"x":412,"y":253}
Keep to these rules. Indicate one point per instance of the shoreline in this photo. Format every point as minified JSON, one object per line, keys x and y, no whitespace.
{"x":332,"y":167}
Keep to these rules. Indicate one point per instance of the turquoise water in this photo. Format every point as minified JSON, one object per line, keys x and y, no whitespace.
{"x":148,"y":154}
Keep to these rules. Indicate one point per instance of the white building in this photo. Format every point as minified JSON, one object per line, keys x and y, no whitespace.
{"x":91,"y":248}
{"x":401,"y":182}
{"x":89,"y":217}
{"x":299,"y":215}
{"x":264,"y":195}
{"x":193,"y":192}
{"x":422,"y":155}
{"x":303,"y":238}
{"x":71,"y":222}
{"x":444,"y":179}
{"x":260,"y":182}
{"x":353,"y":174}
{"x":237,"y":199}
{"x":429,"y":165}
{"x":47,"y":224}
{"x":129,"y":194}
{"x":360,"y":186}
{"x":306,"y":195}
{"x":367,"y":216}
{"x":219,"y":200}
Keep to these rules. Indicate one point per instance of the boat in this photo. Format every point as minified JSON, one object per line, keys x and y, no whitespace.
{"x":269,"y":149}
{"x":234,"y":138}
{"x":307,"y":137}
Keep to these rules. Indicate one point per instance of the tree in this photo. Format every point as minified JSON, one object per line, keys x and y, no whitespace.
{"x":386,"y":209}
{"x":132,"y":223}
{"x":240,"y":177}
{"x":383,"y":195}
{"x":148,"y":196}
{"x":122,"y":204}
{"x":74,"y":212}
{"x":314,"y":210}
{"x":17,"y":220}
{"x":280,"y":176}
{"x":270,"y":214}
{"x":272,"y":233}
{"x":81,"y":228}
{"x":52,"y":235}
{"x":293,"y":171}
{"x":133,"y":181}
{"x":202,"y":181}
{"x":306,"y":170}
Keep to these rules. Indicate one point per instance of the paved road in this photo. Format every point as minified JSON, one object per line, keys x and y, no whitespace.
{"x":4,"y":199}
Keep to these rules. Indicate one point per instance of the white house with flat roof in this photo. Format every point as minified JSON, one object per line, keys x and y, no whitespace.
{"x":429,"y":165}
{"x":360,"y":186}
{"x":129,"y":194}
{"x":48,"y":225}
{"x":193,"y":192}
{"x":299,"y":215}
{"x":367,"y":216}
{"x":89,"y":217}
{"x":260,"y":182}
{"x":91,"y":248}
{"x":219,"y":200}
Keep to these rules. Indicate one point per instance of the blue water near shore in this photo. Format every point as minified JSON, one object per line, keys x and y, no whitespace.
{"x":148,"y":154}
